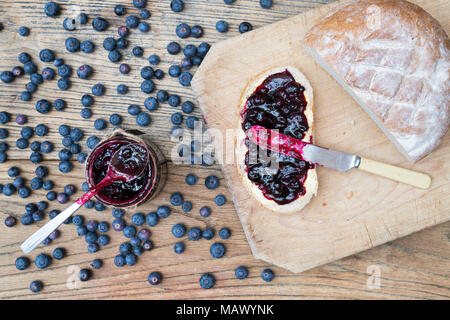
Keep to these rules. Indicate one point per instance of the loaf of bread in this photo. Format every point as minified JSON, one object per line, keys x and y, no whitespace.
{"x":310,"y":184}
{"x":394,"y":59}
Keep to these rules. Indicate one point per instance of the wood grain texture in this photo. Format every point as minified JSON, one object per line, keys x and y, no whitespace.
{"x":415,"y":267}
{"x":334,"y":224}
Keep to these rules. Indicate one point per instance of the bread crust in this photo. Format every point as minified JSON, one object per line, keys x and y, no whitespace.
{"x":394,"y":59}
{"x":311,"y":182}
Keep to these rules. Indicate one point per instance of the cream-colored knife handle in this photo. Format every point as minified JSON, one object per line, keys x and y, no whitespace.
{"x":413,"y":178}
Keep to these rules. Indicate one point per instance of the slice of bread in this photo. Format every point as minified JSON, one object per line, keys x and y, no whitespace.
{"x":311,"y":183}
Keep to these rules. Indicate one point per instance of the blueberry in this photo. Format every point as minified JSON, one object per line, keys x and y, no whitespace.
{"x":24,"y":31}
{"x":26,"y":219}
{"x":144,"y":234}
{"x":36,"y":183}
{"x":58,"y":62}
{"x":87,"y":46}
{"x":22,"y":143}
{"x":118,"y":213}
{"x":114,"y":56}
{"x":77,"y":220}
{"x":138,"y":51}
{"x":36,"y":286}
{"x":91,"y":237}
{"x":84,"y":71}
{"x":25,"y":96}
{"x":3,"y":147}
{"x":220,"y":200}
{"x":84,"y":274}
{"x":5,"y":117}
{"x":98,"y":89}
{"x":197,"y":31}
{"x":47,"y":185}
{"x":267,"y":275}
{"x":4,"y":133}
{"x":99,"y":206}
{"x":147,"y":86}
{"x":163,"y":211}
{"x":41,"y":172}
{"x":7,"y":76}
{"x":173,"y":48}
{"x":99,"y":24}
{"x":46,"y":55}
{"x":64,"y":84}
{"x":87,"y":100}
{"x":103,"y":240}
{"x":152,"y":219}
{"x":139,"y":3}
{"x":134,"y":110}
{"x":203,"y":49}
{"x":115,"y":119}
{"x":30,"y":87}
{"x":62,"y":198}
{"x":245,"y":27}
{"x":207,"y":281}
{"x":109,"y":44}
{"x":41,"y":130}
{"x":120,"y":10}
{"x":119,"y":260}
{"x":151,"y":104}
{"x":76,"y":134}
{"x":17,"y":71}
{"x":24,"y":57}
{"x":65,"y":166}
{"x":211,"y":182}
{"x":42,"y":261}
{"x":174,"y":101}
{"x":154,"y":59}
{"x":144,"y":26}
{"x":143,"y":119}
{"x":132,"y":22}
{"x":59,"y":253}
{"x":145,"y":14}
{"x":241,"y":273}
{"x":125,"y":248}
{"x":96,"y":263}
{"x":135,"y":242}
{"x":154,"y":278}
{"x":174,"y":70}
{"x":147,"y":245}
{"x":224,"y":233}
{"x":162,"y":95}
{"x":70,"y":189}
{"x":185,"y":79}
{"x":3,"y":157}
{"x":129,"y":231}
{"x":183,"y":30}
{"x":130,"y":259}
{"x":64,"y":154}
{"x":22,"y":263}
{"x":266,"y":4}
{"x":176,"y":199}
{"x":69,"y":24}
{"x":147,"y":73}
{"x":85,"y":186}
{"x":187,"y":107}
{"x":42,"y":205}
{"x":13,"y":172}
{"x":217,"y":250}
{"x":35,"y":157}
{"x":72,"y":44}
{"x":59,"y":104}
{"x":29,"y":68}
{"x":194,"y":234}
{"x":222,"y":26}
{"x":100,"y":124}
{"x":82,"y":231}
{"x":82,"y":18}
{"x":186,"y":206}
{"x":36,"y":78}
{"x":81,"y":158}
{"x":51,"y":195}
{"x":51,"y":9}
{"x":178,"y":230}
{"x":178,"y":247}
{"x":54,"y":235}
{"x":177,"y":5}
{"x":92,"y":141}
{"x":86,"y":113}
{"x":123,"y":31}
{"x":118,"y":224}
{"x":138,"y":219}
{"x":191,"y":179}
{"x":208,"y":233}
{"x":10,"y":221}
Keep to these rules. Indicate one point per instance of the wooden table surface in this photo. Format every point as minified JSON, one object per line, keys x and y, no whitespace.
{"x":415,"y":267}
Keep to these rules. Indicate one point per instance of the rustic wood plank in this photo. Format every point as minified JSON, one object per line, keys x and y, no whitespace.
{"x":415,"y":267}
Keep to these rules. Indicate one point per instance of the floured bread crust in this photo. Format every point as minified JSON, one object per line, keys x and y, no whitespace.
{"x":311,"y":183}
{"x":394,"y":59}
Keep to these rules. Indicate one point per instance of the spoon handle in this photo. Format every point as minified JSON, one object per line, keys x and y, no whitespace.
{"x":36,"y":238}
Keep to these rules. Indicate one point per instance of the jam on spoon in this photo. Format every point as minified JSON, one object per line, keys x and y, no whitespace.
{"x":127,"y":163}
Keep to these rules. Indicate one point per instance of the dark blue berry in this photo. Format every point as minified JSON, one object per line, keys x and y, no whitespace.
{"x":24,"y":57}
{"x":65,"y":166}
{"x":144,"y":26}
{"x":99,"y":24}
{"x":84,"y":274}
{"x":130,"y":259}
{"x":222,"y":26}
{"x":187,"y":107}
{"x":51,"y":9}
{"x":267,"y":275}
{"x":77,"y":220}
{"x":120,"y":10}
{"x":114,"y":56}
{"x":217,"y":250}
{"x":220,"y":200}
{"x":51,"y":195}
{"x":177,"y":5}
{"x":92,"y":141}
{"x":185,"y":79}
{"x":266,"y":4}
{"x":123,"y":31}
{"x":59,"y":253}
{"x":197,"y":31}
{"x":147,"y":86}
{"x":46,"y":55}
{"x":103,"y":240}
{"x":241,"y":273}
{"x":203,"y":49}
{"x":173,"y":48}
{"x":42,"y":261}
{"x":145,"y":14}
{"x":29,"y":68}
{"x":99,"y":206}
{"x":84,"y":71}
{"x":138,"y":219}
{"x":174,"y":101}
{"x":118,"y":224}
{"x":186,"y":206}
{"x":154,"y":59}
{"x":207,"y":281}
{"x":59,"y":104}
{"x":100,"y":124}
{"x":72,"y":44}
{"x":138,"y":51}
{"x":76,"y":134}
{"x":36,"y":286}
{"x":124,"y":68}
{"x":143,"y":119}
{"x":109,"y":44}
{"x":174,"y":70}
{"x":245,"y":27}
{"x":81,"y":158}
{"x":35,"y":157}
{"x":178,"y":247}
{"x":64,"y":84}
{"x":98,"y":89}
{"x":134,"y":110}
{"x":154,"y":278}
{"x":162,"y":95}
{"x":132,"y":22}
{"x":208,"y":233}
{"x":195,"y":234}
{"x":10,"y":221}
{"x":178,"y":230}
{"x":82,"y":18}
{"x":47,"y":185}
{"x":151,"y":104}
{"x":129,"y":231}
{"x":62,"y":198}
{"x":163,"y":211}
{"x":87,"y":46}
{"x":86,"y":113}
{"x":96,"y":264}
{"x":183,"y":30}
{"x":152,"y":219}
{"x":147,"y":73}
{"x":191,"y":179}
{"x":24,"y":31}
{"x":211,"y":182}
{"x":176,"y":199}
{"x":115,"y":119}
{"x":58,"y":62}
{"x":87,"y":100}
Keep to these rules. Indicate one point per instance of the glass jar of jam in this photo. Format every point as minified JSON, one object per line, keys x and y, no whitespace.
{"x":132,"y":193}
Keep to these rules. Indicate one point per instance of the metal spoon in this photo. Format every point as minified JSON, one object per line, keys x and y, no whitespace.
{"x":127,"y":163}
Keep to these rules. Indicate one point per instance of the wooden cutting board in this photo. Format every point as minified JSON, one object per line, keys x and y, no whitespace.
{"x":353,"y":211}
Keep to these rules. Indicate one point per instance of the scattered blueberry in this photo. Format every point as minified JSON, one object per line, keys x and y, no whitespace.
{"x":207,"y":281}
{"x":217,"y":250}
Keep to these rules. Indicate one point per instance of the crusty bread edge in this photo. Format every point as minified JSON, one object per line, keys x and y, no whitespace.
{"x":311,"y":183}
{"x":372,"y":115}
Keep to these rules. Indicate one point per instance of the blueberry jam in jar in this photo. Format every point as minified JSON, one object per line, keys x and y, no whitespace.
{"x":278,"y":103}
{"x":136,"y":191}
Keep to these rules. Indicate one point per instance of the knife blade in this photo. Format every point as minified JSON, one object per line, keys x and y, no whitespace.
{"x":337,"y":160}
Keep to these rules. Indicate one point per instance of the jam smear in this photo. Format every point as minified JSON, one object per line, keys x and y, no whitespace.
{"x":278,"y":103}
{"x":121,"y":191}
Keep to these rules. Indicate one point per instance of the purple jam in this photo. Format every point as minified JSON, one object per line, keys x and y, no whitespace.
{"x":130,"y":160}
{"x":278,"y":103}
{"x":120,"y":193}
